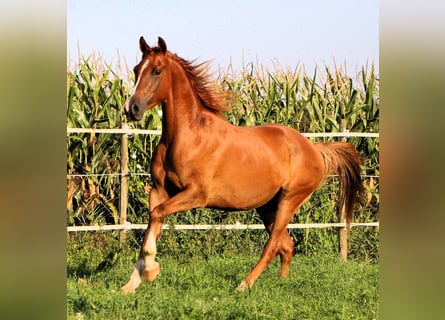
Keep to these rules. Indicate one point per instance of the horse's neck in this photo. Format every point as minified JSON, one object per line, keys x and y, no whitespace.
{"x":181,"y":110}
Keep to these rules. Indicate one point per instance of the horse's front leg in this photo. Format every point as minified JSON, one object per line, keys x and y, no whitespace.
{"x":150,"y":267}
{"x":157,"y":196}
{"x":147,"y":266}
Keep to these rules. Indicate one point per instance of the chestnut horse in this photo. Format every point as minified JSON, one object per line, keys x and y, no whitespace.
{"x":204,"y":161}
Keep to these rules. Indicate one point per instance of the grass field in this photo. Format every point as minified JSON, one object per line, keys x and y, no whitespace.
{"x":203,"y":286}
{"x":200,"y":270}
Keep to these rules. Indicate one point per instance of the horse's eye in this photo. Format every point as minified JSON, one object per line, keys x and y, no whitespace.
{"x":157,"y":72}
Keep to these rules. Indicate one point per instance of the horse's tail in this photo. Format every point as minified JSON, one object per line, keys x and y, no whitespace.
{"x":343,"y":159}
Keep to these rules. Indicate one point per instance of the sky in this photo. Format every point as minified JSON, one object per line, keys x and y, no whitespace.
{"x":288,"y":32}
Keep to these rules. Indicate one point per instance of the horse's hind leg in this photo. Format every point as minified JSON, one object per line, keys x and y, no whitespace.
{"x":286,"y":250}
{"x":288,"y":204}
{"x":285,"y":241}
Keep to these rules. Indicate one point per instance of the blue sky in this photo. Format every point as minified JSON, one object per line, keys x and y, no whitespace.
{"x":289,"y":32}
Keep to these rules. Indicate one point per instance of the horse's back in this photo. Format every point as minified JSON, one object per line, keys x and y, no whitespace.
{"x":285,"y":141}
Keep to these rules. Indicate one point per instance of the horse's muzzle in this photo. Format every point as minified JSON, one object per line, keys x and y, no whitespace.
{"x":133,"y":111}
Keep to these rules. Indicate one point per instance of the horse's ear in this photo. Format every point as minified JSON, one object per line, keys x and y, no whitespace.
{"x":162,"y":45}
{"x":143,"y":45}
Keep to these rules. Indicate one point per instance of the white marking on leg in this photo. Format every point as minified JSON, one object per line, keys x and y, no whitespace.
{"x":135,"y":278}
{"x":150,"y":246}
{"x":133,"y":283}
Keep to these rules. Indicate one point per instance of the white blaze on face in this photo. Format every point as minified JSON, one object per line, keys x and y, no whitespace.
{"x":143,"y":67}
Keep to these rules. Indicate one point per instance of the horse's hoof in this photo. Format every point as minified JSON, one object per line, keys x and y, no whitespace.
{"x":243,"y":286}
{"x":151,"y":272}
{"x":127,"y":289}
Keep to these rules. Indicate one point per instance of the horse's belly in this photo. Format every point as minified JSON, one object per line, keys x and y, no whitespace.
{"x":243,"y":193}
{"x":248,"y":176}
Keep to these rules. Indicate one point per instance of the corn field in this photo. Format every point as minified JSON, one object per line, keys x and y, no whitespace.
{"x":325,"y":101}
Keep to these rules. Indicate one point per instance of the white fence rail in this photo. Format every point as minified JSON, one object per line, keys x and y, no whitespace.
{"x":129,"y":131}
{"x":236,"y":226}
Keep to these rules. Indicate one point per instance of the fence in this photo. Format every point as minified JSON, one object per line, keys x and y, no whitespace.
{"x":124,"y":225}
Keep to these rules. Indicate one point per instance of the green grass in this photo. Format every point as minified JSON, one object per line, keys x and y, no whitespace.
{"x":203,"y":287}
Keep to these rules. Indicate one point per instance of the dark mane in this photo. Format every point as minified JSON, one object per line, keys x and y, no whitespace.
{"x":211,"y":96}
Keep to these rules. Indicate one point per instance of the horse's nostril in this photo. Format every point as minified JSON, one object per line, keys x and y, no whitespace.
{"x":135,"y":108}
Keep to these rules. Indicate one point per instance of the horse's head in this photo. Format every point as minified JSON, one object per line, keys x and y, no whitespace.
{"x":151,"y":77}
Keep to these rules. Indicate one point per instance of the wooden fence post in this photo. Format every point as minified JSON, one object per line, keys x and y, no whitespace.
{"x":343,"y":232}
{"x":124,"y":185}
